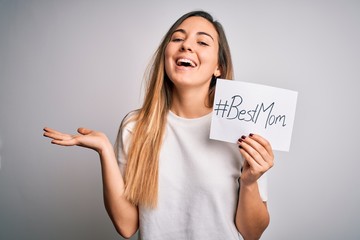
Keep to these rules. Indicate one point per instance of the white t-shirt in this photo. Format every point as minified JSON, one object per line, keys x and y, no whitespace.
{"x":198,"y":184}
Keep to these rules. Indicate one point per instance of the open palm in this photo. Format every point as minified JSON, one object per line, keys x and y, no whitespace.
{"x":86,"y":138}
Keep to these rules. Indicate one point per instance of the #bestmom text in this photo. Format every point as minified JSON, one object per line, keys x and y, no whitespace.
{"x":261,"y":113}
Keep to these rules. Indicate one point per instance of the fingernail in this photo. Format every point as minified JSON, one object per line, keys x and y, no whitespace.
{"x":243,"y":137}
{"x":240,"y":140}
{"x":240,"y":146}
{"x":251,"y":134}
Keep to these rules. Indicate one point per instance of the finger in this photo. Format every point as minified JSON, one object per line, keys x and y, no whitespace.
{"x":249,"y":159}
{"x":51,"y":133}
{"x":260,"y":151}
{"x":257,"y":151}
{"x":264,"y":163}
{"x":245,"y":164}
{"x":50,"y":130}
{"x":70,"y":142}
{"x":84,"y":131}
{"x":57,"y":136}
{"x":255,"y":155}
{"x":265,"y":143}
{"x":253,"y":165}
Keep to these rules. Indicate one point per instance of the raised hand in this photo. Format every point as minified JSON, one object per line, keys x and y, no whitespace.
{"x":258,"y":156}
{"x":97,"y":141}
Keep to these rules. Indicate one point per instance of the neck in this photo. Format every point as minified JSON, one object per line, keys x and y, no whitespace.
{"x":192,"y":103}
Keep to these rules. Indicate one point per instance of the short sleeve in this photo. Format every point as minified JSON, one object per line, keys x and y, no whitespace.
{"x":123,"y":141}
{"x":262,"y":185}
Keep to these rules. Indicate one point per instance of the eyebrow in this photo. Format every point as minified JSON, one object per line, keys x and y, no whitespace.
{"x":198,"y":33}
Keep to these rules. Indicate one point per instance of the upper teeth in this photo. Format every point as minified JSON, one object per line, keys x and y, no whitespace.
{"x":184,"y":60}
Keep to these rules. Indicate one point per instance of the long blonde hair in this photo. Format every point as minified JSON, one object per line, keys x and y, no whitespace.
{"x":141,"y":173}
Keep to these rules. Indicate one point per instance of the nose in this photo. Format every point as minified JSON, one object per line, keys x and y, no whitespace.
{"x":186,"y":46}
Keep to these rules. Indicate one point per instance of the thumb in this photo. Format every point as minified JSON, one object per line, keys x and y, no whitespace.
{"x":246,"y":165}
{"x":84,"y":131}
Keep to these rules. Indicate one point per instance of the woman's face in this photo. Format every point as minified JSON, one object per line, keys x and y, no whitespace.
{"x":191,"y":56}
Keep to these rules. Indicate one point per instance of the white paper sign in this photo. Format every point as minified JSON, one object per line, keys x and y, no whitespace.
{"x":241,"y":108}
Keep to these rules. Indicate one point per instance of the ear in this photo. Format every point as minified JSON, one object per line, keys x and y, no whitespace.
{"x":217,"y":72}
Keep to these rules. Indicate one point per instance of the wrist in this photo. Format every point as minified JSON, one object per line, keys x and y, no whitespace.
{"x":251,"y":185}
{"x":105,"y":148}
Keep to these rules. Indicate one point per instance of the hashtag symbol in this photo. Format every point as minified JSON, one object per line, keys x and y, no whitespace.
{"x":221,"y":107}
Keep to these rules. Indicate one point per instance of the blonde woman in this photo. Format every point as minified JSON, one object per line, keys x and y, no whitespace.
{"x":166,"y":177}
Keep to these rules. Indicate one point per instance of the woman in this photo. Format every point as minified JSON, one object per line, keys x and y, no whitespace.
{"x":174,"y":182}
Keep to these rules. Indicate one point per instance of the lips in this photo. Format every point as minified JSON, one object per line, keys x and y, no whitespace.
{"x":185,"y":62}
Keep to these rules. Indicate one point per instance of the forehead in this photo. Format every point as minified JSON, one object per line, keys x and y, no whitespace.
{"x":198,"y":24}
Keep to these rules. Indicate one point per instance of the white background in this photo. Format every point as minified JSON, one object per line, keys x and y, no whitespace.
{"x":66,"y":64}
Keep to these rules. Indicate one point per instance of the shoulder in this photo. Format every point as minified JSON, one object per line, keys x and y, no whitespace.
{"x":126,"y":128}
{"x":128,"y":123}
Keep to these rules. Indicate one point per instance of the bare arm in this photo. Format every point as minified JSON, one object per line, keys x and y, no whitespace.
{"x":123,"y":214}
{"x":252,"y":217}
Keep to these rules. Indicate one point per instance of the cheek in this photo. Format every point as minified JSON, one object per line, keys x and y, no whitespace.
{"x":216,"y":58}
{"x":211,"y":59}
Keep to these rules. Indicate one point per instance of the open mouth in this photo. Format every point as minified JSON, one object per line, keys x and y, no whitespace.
{"x":185,"y":62}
